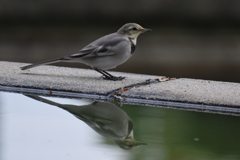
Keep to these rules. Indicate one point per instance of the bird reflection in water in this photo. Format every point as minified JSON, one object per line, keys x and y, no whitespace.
{"x":105,"y":118}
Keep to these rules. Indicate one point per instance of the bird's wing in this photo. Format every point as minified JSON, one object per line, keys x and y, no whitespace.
{"x":86,"y":51}
{"x":92,"y":51}
{"x":101,"y":47}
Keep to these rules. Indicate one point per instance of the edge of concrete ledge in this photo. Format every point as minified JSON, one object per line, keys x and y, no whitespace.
{"x":193,"y":94}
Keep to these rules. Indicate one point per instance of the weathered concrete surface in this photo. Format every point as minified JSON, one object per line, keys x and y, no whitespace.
{"x":135,"y":86}
{"x":63,"y":78}
{"x":190,"y":90}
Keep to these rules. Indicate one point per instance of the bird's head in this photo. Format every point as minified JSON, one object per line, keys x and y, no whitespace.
{"x":129,"y":143}
{"x":132,"y":30}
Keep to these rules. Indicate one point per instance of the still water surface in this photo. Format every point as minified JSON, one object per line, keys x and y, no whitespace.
{"x":36,"y":128}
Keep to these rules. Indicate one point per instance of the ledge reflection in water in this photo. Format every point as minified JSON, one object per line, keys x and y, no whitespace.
{"x":105,"y":118}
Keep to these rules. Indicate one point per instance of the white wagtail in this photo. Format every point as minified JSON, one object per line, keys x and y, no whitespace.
{"x":99,"y":116}
{"x":106,"y":52}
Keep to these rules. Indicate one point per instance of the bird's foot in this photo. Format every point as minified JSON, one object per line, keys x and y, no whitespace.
{"x":113,"y":78}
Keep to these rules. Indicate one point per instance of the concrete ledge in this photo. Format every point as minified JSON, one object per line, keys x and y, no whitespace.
{"x":136,"y":88}
{"x":190,"y":90}
{"x":64,"y":79}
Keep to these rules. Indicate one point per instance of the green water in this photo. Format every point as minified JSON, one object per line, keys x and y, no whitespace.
{"x":33,"y":129}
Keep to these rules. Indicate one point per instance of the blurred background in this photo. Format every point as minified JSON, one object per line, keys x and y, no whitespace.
{"x":190,"y":38}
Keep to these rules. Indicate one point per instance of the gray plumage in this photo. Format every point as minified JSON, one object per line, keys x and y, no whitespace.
{"x":106,"y":52}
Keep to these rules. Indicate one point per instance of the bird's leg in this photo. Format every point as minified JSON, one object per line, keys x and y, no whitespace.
{"x":108,"y":76}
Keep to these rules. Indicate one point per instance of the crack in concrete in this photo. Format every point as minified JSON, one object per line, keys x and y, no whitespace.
{"x":116,"y":94}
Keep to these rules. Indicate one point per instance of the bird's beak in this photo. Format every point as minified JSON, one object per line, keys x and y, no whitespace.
{"x":145,"y":30}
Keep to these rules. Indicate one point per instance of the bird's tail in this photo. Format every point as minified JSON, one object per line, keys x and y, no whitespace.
{"x":44,"y":62}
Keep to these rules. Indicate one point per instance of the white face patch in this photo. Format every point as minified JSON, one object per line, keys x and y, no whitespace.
{"x":134,"y":37}
{"x":134,"y":32}
{"x":134,"y":40}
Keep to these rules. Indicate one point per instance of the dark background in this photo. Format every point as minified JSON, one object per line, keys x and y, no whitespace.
{"x":190,"y":38}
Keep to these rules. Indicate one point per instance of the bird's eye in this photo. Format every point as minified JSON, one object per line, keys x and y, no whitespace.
{"x":134,"y":29}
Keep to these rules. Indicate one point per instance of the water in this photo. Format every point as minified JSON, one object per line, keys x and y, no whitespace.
{"x":47,"y":129}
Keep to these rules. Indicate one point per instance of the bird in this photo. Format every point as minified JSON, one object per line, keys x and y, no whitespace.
{"x":106,"y":52}
{"x":105,"y":118}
